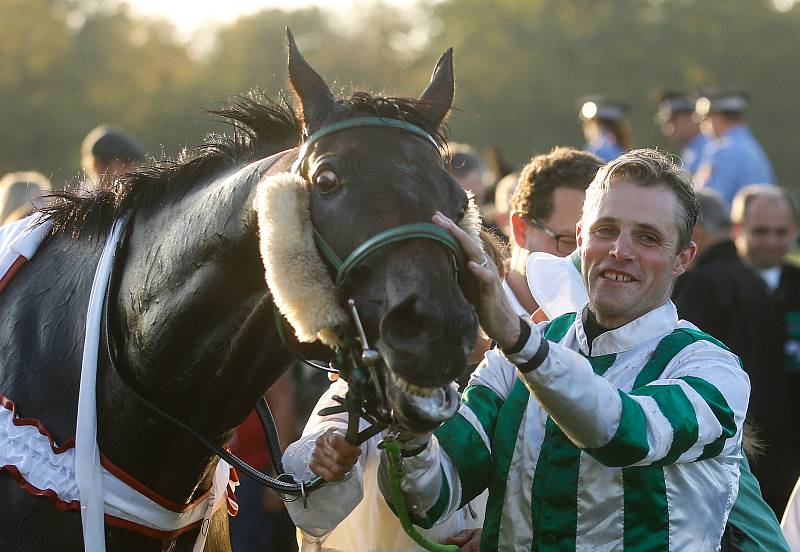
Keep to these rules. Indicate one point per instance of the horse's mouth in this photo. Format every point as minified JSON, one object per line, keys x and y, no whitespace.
{"x":418,"y":408}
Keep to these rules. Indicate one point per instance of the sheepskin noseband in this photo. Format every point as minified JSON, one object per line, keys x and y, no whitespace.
{"x":296,"y":275}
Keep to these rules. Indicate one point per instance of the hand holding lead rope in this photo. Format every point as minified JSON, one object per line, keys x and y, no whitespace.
{"x":395,"y":471}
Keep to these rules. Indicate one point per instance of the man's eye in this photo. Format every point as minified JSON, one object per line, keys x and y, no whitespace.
{"x":648,"y":239}
{"x":603,"y":231}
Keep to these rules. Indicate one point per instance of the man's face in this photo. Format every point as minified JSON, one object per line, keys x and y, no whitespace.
{"x":718,"y":124}
{"x":567,"y":204}
{"x":767,"y":233}
{"x":680,"y":128}
{"x":629,"y":252}
{"x":591,"y":130}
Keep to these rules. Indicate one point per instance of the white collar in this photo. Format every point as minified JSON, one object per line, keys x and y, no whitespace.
{"x":772,"y":276}
{"x":656,"y":323}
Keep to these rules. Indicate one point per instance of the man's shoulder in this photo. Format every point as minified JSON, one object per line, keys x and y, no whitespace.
{"x":732,"y":273}
{"x":789,"y":286}
{"x":727,"y":150}
{"x":692,"y":344}
{"x":790,"y":271}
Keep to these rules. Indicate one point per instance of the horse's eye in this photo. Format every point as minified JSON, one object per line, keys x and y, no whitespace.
{"x":326,"y":180}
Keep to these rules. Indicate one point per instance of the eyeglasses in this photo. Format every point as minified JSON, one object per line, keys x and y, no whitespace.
{"x":565,"y":243}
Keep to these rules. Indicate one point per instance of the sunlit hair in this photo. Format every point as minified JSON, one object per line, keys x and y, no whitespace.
{"x":649,"y":168}
{"x":746,"y":195}
{"x":544,"y":174}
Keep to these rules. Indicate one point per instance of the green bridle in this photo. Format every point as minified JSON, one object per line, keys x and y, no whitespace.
{"x":424,"y":230}
{"x":361,"y":370}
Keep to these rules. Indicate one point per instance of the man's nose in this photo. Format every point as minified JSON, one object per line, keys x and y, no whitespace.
{"x":622,"y":247}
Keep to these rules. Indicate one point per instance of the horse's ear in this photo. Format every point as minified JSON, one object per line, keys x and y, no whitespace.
{"x":313,"y":98}
{"x":438,"y":95}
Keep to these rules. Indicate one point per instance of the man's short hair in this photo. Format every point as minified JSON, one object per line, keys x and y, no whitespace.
{"x":648,"y":167}
{"x":713,"y":216}
{"x":544,"y":174}
{"x":746,"y":195}
{"x":108,"y":143}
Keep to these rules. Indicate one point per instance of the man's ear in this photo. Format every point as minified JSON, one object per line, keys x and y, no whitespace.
{"x":736,"y":231}
{"x":579,"y":234}
{"x":685,"y":258}
{"x":519,"y":229}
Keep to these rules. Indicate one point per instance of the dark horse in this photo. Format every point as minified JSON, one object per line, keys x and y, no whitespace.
{"x":192,"y":316}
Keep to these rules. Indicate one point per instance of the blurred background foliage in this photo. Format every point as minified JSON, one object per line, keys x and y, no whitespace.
{"x":521,"y":65}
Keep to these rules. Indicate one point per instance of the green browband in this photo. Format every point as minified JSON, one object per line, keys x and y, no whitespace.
{"x":361,"y":122}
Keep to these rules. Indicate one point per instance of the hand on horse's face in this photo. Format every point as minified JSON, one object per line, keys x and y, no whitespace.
{"x":497,"y":317}
{"x":333,"y":456}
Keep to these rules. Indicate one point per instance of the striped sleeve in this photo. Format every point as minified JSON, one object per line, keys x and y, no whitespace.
{"x":696,"y":411}
{"x":459,"y":457}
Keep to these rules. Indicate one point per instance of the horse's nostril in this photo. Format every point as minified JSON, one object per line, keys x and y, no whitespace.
{"x":405,"y":325}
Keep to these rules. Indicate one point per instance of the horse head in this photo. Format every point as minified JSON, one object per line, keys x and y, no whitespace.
{"x":367,"y":185}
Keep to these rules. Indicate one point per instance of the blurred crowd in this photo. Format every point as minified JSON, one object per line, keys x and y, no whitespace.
{"x":742,"y":288}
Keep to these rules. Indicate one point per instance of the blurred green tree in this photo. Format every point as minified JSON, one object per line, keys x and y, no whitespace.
{"x":521,"y":65}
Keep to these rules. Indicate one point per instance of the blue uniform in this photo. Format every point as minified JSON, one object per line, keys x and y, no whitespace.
{"x":732,"y":162}
{"x":605,"y":147}
{"x":692,"y":154}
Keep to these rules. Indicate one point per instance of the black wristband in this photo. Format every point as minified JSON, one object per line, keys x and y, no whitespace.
{"x":524,"y":335}
{"x":537,"y":359}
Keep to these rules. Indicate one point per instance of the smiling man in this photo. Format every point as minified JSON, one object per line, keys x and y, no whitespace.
{"x":617,"y":427}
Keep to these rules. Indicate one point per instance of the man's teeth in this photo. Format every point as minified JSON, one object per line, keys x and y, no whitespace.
{"x":408,"y":387}
{"x":616,"y":277}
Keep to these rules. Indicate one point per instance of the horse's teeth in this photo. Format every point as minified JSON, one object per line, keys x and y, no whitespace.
{"x":409,"y":387}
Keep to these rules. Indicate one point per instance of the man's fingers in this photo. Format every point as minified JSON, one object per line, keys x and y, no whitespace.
{"x":471,"y":248}
{"x":328,"y":468}
{"x":323,"y":472}
{"x":340,"y":443}
{"x":333,"y":456}
{"x":486,"y":273}
{"x":464,"y":537}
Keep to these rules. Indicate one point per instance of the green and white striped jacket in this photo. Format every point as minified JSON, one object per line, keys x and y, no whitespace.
{"x":635,"y":446}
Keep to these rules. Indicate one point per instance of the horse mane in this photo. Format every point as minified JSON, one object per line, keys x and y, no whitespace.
{"x":260,"y":127}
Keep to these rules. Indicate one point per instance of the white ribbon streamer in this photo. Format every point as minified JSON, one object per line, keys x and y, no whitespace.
{"x":88,"y":472}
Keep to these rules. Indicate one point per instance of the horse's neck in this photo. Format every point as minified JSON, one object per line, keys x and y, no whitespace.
{"x":198,"y":334}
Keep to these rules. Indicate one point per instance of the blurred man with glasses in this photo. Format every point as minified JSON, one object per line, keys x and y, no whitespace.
{"x":545,"y":208}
